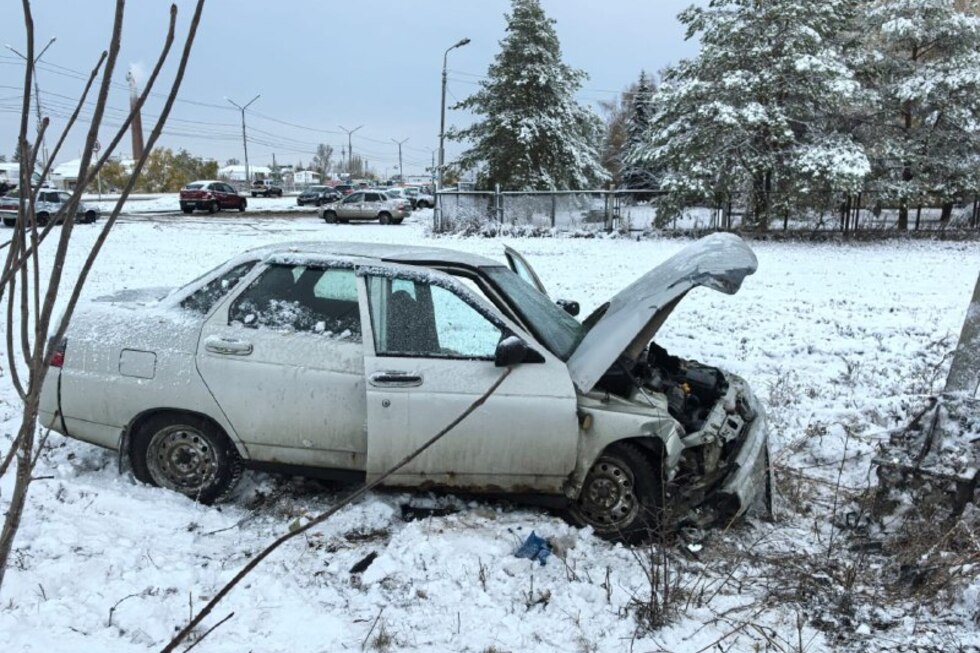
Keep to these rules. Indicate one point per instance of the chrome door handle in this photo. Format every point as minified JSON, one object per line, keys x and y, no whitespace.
{"x":395,"y":379}
{"x":228,"y":347}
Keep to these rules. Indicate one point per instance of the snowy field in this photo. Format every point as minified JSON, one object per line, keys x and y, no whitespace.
{"x":837,"y":339}
{"x":150,"y":204}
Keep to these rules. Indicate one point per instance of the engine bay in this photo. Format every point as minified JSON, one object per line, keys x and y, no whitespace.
{"x":691,"y":388}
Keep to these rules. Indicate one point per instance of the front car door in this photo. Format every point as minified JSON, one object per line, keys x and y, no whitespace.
{"x":283,"y":357}
{"x":350,"y":207}
{"x":429,"y":356}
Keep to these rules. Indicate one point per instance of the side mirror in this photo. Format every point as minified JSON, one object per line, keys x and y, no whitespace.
{"x":569,"y":306}
{"x":511,"y":351}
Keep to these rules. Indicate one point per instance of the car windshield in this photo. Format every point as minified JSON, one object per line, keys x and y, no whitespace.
{"x":193,"y":186}
{"x":558,"y":330}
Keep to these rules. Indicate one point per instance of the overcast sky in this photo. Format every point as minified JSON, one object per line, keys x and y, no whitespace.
{"x":319,"y":65}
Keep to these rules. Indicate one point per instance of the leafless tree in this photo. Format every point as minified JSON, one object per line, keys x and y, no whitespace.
{"x":30,"y":288}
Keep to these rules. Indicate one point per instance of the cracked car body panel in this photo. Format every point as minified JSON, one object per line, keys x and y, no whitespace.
{"x":629,"y":320}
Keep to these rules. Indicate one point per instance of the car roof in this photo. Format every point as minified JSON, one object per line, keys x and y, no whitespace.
{"x":408,"y":254}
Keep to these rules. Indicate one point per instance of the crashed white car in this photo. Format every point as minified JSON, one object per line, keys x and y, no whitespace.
{"x":339,"y":359}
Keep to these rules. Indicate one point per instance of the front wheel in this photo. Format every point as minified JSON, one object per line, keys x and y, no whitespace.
{"x":241,"y":207}
{"x":330,"y":217}
{"x":213,"y":207}
{"x":186,"y":454}
{"x":622,"y":497}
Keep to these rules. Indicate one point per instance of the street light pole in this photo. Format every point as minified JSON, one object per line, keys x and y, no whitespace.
{"x":350,"y":148}
{"x":37,"y":95}
{"x":436,"y":214}
{"x":245,"y":140}
{"x":401,"y":174}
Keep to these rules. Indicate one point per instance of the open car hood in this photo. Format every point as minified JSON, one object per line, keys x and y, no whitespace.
{"x":622,"y":327}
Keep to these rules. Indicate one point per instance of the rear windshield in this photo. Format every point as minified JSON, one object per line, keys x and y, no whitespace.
{"x":194,"y":186}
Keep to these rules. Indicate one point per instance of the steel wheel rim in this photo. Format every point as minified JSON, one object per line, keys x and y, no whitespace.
{"x":180,"y":458}
{"x":608,"y":499}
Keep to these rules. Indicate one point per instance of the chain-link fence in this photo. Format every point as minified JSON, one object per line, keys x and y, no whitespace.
{"x":638,"y":211}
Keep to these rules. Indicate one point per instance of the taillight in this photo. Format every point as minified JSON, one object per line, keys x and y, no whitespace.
{"x":208,"y":196}
{"x":58,"y":357}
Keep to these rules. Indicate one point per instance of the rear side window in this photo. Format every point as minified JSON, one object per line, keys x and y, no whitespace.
{"x":299,"y":298}
{"x":203,"y":299}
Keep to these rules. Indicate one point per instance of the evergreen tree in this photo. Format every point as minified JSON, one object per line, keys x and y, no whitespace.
{"x":923,"y":63}
{"x":758,"y":111}
{"x":636,"y":174}
{"x":533,"y":134}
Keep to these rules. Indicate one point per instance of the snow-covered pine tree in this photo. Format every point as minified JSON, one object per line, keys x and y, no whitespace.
{"x":533,"y":135}
{"x":756,"y":114}
{"x":923,"y":61}
{"x":635,"y":173}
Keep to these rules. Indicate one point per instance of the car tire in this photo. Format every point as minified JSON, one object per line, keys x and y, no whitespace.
{"x":213,"y":207}
{"x":187,"y":454}
{"x":384,"y":218}
{"x":241,"y":207}
{"x":90,"y":217}
{"x":318,"y":201}
{"x":622,"y":496}
{"x":255,"y":194}
{"x":10,"y":222}
{"x":330,"y":217}
{"x":422,"y":205}
{"x":42,"y":219}
{"x":187,"y":209}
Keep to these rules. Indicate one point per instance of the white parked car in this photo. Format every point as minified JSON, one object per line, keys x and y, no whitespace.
{"x":339,"y":359}
{"x":366,"y":205}
{"x":50,"y":203}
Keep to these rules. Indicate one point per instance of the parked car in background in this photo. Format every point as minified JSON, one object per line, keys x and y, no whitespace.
{"x":419,"y":199}
{"x":266,"y":188}
{"x":367,"y":350}
{"x":50,"y":203}
{"x":210,"y":196}
{"x":344,"y":189}
{"x":366,"y":205}
{"x":318,"y":195}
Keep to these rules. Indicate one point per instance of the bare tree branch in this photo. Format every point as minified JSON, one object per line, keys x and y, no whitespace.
{"x":324,"y":516}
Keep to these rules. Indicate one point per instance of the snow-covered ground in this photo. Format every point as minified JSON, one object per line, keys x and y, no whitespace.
{"x":837,"y":339}
{"x":148,"y":204}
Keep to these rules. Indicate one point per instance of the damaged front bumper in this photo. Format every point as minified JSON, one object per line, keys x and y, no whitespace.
{"x":743,"y":479}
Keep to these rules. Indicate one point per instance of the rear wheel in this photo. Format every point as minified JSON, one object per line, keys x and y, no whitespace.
{"x":186,"y":454}
{"x":10,"y":222}
{"x":384,"y":218}
{"x":213,"y":207}
{"x":90,"y":217}
{"x":241,"y":207}
{"x":622,"y":497}
{"x":330,"y":217}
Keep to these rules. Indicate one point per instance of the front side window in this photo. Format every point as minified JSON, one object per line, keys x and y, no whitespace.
{"x":412,"y":318}
{"x":204,"y":298}
{"x":301,"y":298}
{"x":353,"y":198}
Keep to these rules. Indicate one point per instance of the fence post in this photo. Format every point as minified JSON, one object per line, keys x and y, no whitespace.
{"x":554,"y":207}
{"x":607,"y":220}
{"x":857,"y":211}
{"x":496,"y":204}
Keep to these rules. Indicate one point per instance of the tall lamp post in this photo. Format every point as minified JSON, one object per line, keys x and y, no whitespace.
{"x":241,"y":108}
{"x":401,"y":174}
{"x":350,"y":149}
{"x":442,"y":128}
{"x":37,"y":95}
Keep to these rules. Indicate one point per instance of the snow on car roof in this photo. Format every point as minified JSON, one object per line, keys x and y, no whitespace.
{"x":374,"y":251}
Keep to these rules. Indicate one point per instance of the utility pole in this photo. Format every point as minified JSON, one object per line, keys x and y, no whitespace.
{"x":401,"y":174}
{"x":244,"y":139}
{"x":350,"y":147}
{"x":37,"y":97}
{"x":437,"y":213}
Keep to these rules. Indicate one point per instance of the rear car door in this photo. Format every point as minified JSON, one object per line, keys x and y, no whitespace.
{"x":429,"y":357}
{"x":283,"y":358}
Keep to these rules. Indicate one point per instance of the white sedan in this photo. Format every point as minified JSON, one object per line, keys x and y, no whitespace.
{"x":339,"y":359}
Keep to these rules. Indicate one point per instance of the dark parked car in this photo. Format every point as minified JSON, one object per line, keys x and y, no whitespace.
{"x":210,"y":196}
{"x":344,"y":189}
{"x":318,"y":195}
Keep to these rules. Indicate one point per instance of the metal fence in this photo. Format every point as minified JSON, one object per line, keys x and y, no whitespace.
{"x":639,"y":211}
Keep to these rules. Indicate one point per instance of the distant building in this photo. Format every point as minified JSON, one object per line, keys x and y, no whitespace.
{"x":65,"y":175}
{"x":305,"y":177}
{"x":237,"y":172}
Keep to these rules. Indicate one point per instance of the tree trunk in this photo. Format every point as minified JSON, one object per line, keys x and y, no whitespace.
{"x":946,"y":214}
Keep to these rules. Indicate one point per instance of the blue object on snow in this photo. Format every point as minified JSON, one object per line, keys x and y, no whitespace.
{"x":534,"y":548}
